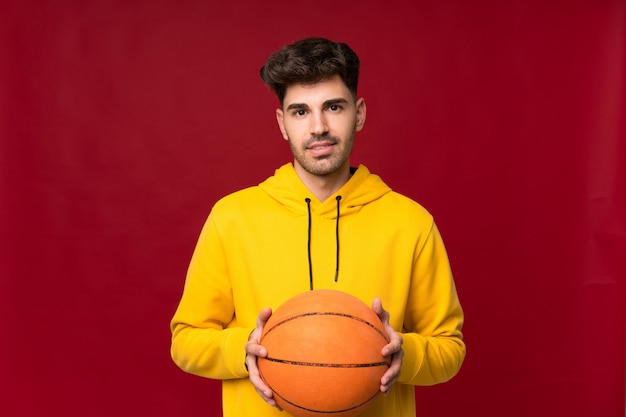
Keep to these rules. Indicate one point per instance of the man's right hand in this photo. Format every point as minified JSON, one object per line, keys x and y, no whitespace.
{"x":254,"y":350}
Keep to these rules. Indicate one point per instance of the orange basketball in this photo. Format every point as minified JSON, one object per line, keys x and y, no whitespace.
{"x":324,"y":354}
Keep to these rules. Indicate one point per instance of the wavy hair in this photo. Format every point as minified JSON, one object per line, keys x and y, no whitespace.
{"x":309,"y":61}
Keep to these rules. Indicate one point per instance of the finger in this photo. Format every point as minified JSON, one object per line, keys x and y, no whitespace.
{"x":257,"y":381}
{"x":255,"y":349}
{"x":261,"y":320}
{"x":264,"y":315}
{"x":387,"y":381}
{"x":395,"y":341}
{"x":260,"y":387}
{"x":394,"y":345}
{"x":392,"y":374}
{"x":263,"y":390}
{"x":255,"y":336}
{"x":377,"y":306}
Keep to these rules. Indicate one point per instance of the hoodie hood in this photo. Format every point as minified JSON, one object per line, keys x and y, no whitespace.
{"x":362,"y":188}
{"x":287,"y":189}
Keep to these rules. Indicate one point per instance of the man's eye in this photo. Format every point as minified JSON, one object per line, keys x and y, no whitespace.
{"x":334,"y":107}
{"x":300,"y":112}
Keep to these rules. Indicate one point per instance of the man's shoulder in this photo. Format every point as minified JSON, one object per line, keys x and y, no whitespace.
{"x":405,"y":202}
{"x":243,"y":196}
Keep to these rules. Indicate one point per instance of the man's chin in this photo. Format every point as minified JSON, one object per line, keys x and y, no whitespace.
{"x":322,"y":167}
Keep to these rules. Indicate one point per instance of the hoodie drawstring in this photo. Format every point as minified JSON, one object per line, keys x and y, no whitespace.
{"x":308,"y":204}
{"x":338,"y":198}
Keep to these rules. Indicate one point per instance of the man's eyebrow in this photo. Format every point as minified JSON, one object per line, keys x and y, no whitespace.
{"x":334,"y":101}
{"x":330,"y":102}
{"x":297,"y":106}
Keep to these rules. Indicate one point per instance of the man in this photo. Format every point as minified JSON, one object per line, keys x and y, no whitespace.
{"x":262,"y":245}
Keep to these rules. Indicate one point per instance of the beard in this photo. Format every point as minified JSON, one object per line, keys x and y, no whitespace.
{"x":326,"y":164}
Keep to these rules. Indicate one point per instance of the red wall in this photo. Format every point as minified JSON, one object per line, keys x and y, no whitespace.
{"x":121,"y":123}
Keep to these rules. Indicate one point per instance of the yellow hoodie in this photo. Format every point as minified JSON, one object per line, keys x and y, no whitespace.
{"x":253,"y":252}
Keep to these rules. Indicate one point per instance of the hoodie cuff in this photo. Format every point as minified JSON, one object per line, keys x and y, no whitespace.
{"x":236,"y":348}
{"x":413,"y":357}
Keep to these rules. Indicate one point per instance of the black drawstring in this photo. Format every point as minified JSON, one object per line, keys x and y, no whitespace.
{"x":338,"y":198}
{"x":308,"y":205}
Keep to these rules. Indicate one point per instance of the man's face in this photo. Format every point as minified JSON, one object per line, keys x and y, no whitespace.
{"x":320,"y":121}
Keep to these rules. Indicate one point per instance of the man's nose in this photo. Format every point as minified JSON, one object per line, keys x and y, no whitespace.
{"x":319,"y":126}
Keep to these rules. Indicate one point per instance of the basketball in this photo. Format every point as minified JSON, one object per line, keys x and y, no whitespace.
{"x":324,"y":354}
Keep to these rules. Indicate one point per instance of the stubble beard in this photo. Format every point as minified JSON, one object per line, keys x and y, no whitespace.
{"x":323,"y":165}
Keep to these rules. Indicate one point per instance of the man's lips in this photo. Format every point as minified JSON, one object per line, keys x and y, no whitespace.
{"x":320,"y":148}
{"x":319,"y":145}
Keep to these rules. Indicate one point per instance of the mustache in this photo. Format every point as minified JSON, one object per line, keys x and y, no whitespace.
{"x":323,"y":138}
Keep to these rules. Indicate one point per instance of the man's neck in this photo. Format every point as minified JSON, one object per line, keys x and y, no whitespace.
{"x":323,"y":186}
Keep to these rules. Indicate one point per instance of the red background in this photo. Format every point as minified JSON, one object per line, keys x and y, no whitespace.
{"x":122,"y":122}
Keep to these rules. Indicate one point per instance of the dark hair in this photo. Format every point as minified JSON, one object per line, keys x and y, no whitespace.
{"x":309,"y":61}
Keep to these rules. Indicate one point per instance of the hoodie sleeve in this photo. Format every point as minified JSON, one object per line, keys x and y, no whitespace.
{"x":433,"y":342}
{"x":201,"y":342}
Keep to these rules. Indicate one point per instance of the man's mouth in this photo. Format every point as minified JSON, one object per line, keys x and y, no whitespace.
{"x":318,"y":146}
{"x":321,"y":148}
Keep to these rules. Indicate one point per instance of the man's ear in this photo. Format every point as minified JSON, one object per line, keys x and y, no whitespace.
{"x":361,"y":112}
{"x":281,"y":123}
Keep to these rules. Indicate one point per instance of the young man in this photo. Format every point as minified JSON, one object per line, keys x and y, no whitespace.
{"x":263,"y":245}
